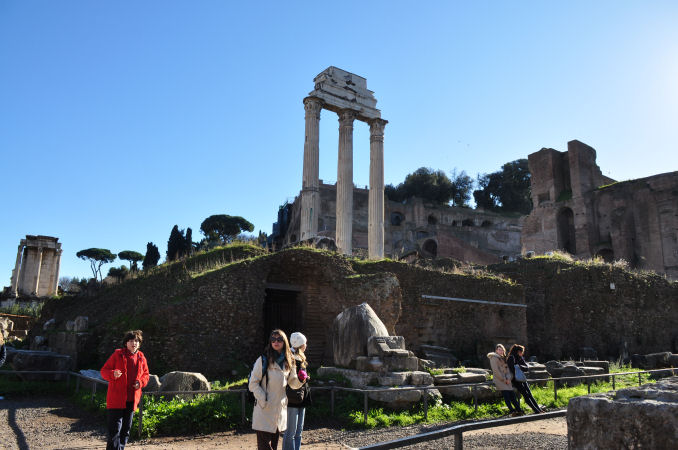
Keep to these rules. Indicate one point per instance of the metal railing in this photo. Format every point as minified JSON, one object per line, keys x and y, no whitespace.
{"x":333,"y":389}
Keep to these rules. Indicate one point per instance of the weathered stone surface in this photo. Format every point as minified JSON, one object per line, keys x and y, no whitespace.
{"x":396,"y":398}
{"x":651,"y":361}
{"x":673,"y":360}
{"x":154,"y":384}
{"x":356,"y":378}
{"x":459,"y":378}
{"x":386,"y":346}
{"x":36,"y":272}
{"x":43,"y":361}
{"x":369,"y":364}
{"x":441,"y":356}
{"x":91,"y":373}
{"x":642,"y":417}
{"x":184,"y":381}
{"x":393,"y":363}
{"x":393,"y":379}
{"x":351,"y":330}
{"x":6,"y":325}
{"x":465,"y":393}
{"x":81,"y":323}
{"x":418,"y":378}
{"x":589,"y":363}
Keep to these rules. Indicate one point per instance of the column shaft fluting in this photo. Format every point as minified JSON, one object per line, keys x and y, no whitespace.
{"x":37,"y":272}
{"x":375,"y":228}
{"x":17,"y":270}
{"x":310,"y":197}
{"x":344,"y":229}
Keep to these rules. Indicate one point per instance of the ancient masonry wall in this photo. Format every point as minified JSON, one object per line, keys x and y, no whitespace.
{"x":616,"y":312}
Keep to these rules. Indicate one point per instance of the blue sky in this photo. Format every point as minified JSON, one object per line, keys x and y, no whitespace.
{"x":120,"y":119}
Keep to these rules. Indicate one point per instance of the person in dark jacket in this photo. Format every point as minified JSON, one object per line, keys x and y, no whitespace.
{"x":3,"y":350}
{"x":296,"y":408}
{"x":515,"y":358}
{"x":126,"y":372}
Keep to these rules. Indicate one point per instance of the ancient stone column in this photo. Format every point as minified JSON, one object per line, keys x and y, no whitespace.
{"x":17,"y":271}
{"x":310,"y":197}
{"x":375,"y":227}
{"x":37,"y":272}
{"x":344,"y":214}
{"x":55,"y":285}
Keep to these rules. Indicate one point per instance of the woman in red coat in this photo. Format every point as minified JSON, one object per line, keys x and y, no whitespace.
{"x":126,"y":372}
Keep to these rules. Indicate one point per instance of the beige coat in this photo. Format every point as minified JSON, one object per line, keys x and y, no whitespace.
{"x":271,"y":415}
{"x":501,"y":375}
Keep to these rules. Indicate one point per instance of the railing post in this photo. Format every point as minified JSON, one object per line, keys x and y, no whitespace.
{"x":425,"y":404}
{"x":141,"y":413}
{"x":68,"y":378}
{"x":588,"y":385}
{"x":639,"y":381}
{"x":94,"y":390}
{"x":475,"y":398}
{"x":77,"y":385}
{"x":332,"y":401}
{"x":555,"y":390}
{"x":613,"y":383}
{"x":243,"y":399}
{"x":365,"y":411}
{"x":458,"y":441}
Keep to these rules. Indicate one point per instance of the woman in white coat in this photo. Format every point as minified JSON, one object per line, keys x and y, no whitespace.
{"x":269,"y":417}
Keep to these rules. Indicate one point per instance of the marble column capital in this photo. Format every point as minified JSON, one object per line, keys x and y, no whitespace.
{"x":313,"y":106}
{"x":346,"y":117}
{"x":377,"y":128}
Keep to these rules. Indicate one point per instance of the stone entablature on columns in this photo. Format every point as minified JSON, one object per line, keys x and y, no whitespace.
{"x":36,"y":272}
{"x":347,"y":95}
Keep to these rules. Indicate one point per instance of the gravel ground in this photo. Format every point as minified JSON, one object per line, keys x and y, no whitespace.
{"x":55,"y":423}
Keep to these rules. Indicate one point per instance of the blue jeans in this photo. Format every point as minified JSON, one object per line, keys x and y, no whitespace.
{"x":295,"y":424}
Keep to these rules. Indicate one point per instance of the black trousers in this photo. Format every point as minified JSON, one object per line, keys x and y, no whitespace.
{"x":267,"y":441}
{"x":524,"y":390}
{"x":119,"y":425}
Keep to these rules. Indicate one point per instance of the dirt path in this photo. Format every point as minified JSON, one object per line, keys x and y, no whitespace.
{"x":55,"y":423}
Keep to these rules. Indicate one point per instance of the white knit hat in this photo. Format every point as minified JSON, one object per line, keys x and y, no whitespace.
{"x":297,"y":339}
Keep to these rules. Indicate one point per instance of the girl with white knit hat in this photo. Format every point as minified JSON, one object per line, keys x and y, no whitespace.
{"x":297,"y":399}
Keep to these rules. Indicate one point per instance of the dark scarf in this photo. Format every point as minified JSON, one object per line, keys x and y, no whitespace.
{"x":280,"y":359}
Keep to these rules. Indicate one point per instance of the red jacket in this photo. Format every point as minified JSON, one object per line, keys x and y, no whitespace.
{"x":116,"y":397}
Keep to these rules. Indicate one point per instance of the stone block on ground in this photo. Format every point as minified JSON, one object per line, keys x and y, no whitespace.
{"x":41,"y":361}
{"x":441,"y":356}
{"x":393,"y":378}
{"x":81,"y":323}
{"x":356,"y":378}
{"x":386,"y":346}
{"x":184,"y":381}
{"x":640,"y":417}
{"x":403,"y":362}
{"x":651,"y":361}
{"x":465,"y":393}
{"x":369,"y":364}
{"x":154,"y":384}
{"x":350,"y":331}
{"x":420,"y":378}
{"x":396,"y":398}
{"x":602,"y":364}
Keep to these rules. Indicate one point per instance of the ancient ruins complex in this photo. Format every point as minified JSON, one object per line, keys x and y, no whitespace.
{"x":581,"y":211}
{"x":347,"y":95}
{"x":37,"y":267}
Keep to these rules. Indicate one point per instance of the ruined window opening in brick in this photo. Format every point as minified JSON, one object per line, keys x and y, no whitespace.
{"x":430,"y":248}
{"x":397,"y":218}
{"x":467,"y":223}
{"x":422,"y":234}
{"x":486,"y":223}
{"x":566,"y":234}
{"x":545,"y":197}
{"x":432,"y":220}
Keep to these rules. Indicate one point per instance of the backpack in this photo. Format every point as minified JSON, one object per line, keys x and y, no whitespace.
{"x":264,"y":371}
{"x":296,"y":397}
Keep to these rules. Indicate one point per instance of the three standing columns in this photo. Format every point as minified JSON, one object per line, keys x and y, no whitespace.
{"x":310,"y":196}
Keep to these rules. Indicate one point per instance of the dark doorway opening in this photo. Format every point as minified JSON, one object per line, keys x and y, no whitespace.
{"x":566,"y":233}
{"x":282,"y":310}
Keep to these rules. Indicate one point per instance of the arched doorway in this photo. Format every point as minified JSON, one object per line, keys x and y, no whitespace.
{"x":566,"y":236}
{"x":430,"y":248}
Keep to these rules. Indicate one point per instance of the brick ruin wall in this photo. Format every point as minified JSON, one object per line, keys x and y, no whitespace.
{"x":614,"y":311}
